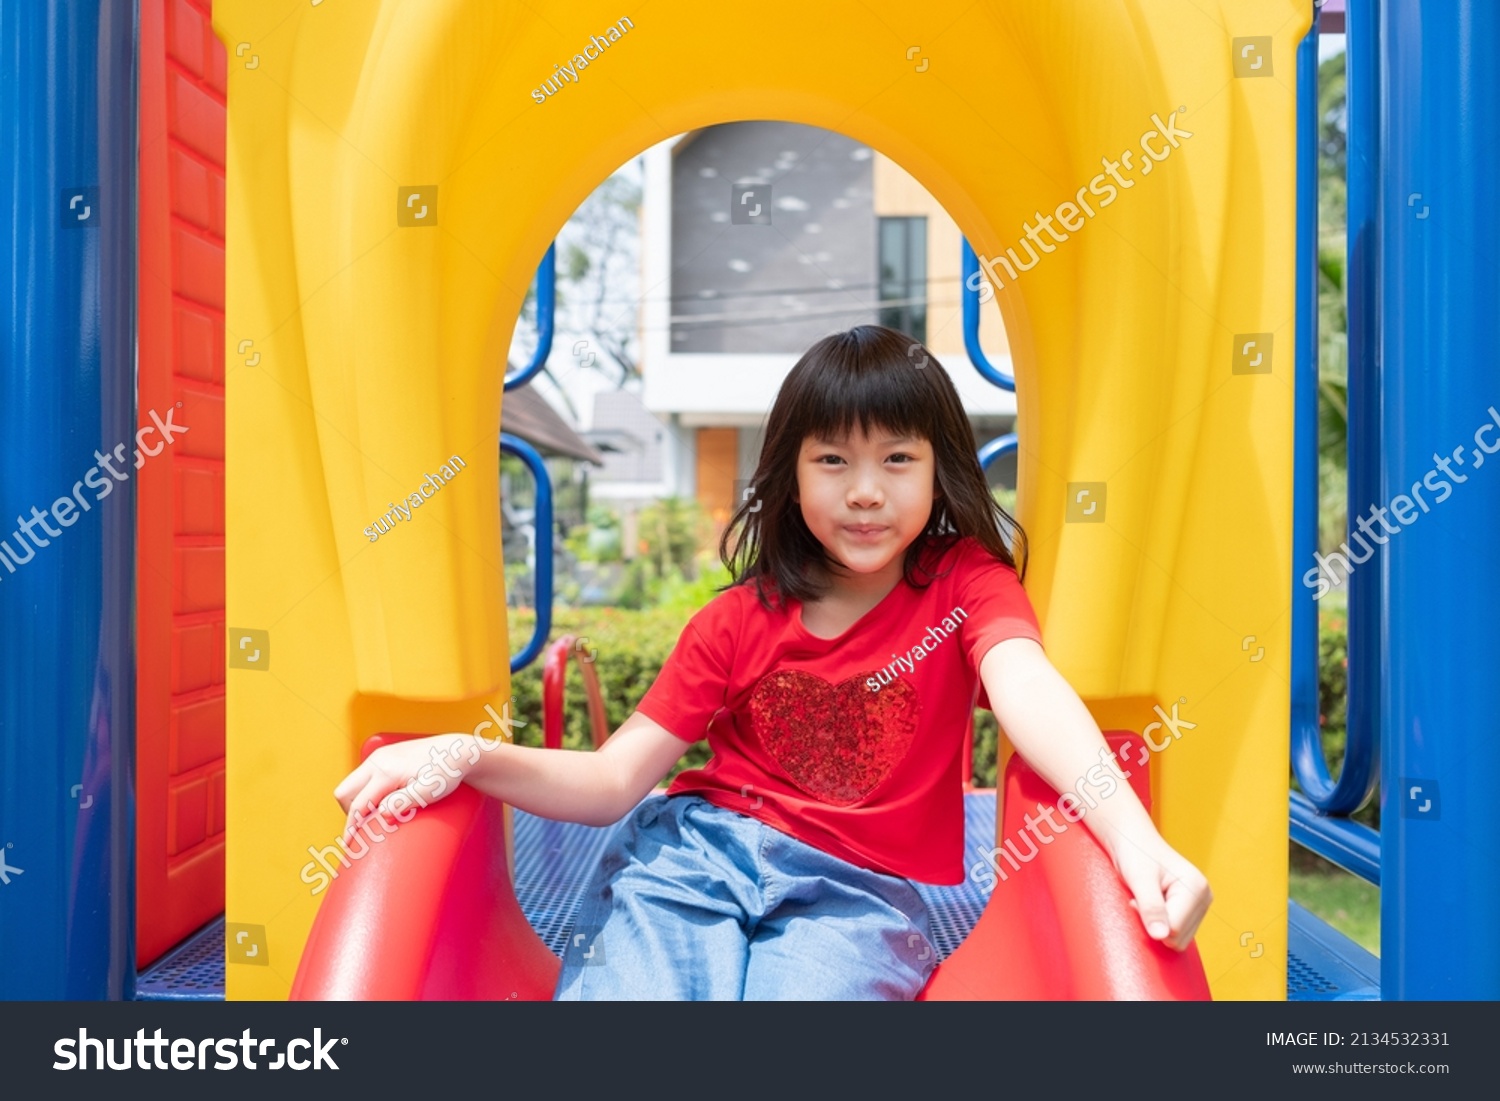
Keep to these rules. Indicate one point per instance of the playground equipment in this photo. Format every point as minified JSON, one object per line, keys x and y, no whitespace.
{"x":361,"y":346}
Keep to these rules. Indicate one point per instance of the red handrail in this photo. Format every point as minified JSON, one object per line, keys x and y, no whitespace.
{"x":554,"y":677}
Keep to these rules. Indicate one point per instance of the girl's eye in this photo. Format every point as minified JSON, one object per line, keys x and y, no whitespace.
{"x":898,"y":455}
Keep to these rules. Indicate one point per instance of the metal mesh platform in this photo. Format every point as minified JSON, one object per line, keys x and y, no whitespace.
{"x":191,"y":972}
{"x":554,"y":859}
{"x":1323,"y":965}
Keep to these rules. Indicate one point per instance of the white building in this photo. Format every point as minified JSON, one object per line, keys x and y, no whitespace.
{"x":826,"y":234}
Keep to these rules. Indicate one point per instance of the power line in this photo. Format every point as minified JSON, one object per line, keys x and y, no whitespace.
{"x":781,"y":316}
{"x":700,"y":296}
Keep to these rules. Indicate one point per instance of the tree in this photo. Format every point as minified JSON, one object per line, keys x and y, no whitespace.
{"x":598,"y":276}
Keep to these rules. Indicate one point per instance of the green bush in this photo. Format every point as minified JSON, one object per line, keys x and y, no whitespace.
{"x":670,"y":533}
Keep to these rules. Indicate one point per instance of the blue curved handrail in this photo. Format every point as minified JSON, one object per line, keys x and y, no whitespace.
{"x":542,"y":522}
{"x":970,"y":299}
{"x":546,"y":307}
{"x":1359,"y":773}
{"x":1007,"y":444}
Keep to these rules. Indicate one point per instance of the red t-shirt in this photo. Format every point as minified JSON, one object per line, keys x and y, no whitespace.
{"x":851,"y":744}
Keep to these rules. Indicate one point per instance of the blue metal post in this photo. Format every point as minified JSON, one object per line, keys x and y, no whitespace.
{"x":1439,"y":297}
{"x":1365,"y":488}
{"x":67,"y":388}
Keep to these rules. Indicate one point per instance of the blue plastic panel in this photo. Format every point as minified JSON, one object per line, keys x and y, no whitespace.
{"x":67,"y":390}
{"x":1439,"y":300}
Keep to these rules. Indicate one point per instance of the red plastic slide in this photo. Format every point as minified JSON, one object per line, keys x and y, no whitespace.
{"x":1059,"y":927}
{"x":429,"y":913}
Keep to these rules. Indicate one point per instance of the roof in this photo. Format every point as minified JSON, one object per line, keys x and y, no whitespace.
{"x":525,"y":413}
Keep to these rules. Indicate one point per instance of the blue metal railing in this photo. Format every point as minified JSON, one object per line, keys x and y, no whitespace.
{"x":542,"y":522}
{"x":970,"y":300}
{"x":546,"y":308}
{"x":1316,"y":819}
{"x":1351,"y":845}
{"x":1007,"y":444}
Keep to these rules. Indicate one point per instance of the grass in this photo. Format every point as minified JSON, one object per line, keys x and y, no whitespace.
{"x":1344,"y":901}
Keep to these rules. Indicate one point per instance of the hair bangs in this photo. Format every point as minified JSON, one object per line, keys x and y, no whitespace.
{"x":869,"y":390}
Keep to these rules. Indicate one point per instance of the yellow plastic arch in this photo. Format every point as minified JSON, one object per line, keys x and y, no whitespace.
{"x":380,"y":345}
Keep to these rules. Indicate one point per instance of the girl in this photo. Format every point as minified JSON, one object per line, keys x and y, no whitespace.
{"x":873,"y":596}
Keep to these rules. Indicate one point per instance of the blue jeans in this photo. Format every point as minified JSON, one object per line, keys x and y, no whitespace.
{"x":695,"y":902}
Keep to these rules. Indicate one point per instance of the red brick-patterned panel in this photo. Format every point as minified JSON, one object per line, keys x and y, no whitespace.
{"x":185,"y":39}
{"x":195,"y":117}
{"x":187,"y":816}
{"x":180,"y":530}
{"x":195,"y":260}
{"x":202,"y":412}
{"x":200,"y":499}
{"x":197,"y":734}
{"x":198,"y":579}
{"x":199,"y":348}
{"x":197,"y":656}
{"x":197,"y":193}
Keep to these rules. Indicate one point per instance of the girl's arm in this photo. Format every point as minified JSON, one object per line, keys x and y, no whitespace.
{"x":1053,"y":730}
{"x":594,"y":788}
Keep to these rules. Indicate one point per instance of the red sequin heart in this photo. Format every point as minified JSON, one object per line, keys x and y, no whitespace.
{"x":836,"y":742}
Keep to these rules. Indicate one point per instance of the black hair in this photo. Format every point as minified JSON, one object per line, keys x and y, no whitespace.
{"x":882,"y":379}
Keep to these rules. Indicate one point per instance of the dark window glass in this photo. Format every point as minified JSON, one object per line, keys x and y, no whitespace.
{"x":903,"y":275}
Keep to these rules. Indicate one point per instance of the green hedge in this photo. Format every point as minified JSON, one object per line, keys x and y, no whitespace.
{"x":632,"y":646}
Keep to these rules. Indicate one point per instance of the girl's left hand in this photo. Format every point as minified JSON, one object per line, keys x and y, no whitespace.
{"x":1171,"y":895}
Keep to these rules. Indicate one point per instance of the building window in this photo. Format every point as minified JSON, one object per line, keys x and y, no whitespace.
{"x":903,"y":275}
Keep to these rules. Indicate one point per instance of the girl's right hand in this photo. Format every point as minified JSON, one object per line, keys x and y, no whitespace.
{"x":429,"y":767}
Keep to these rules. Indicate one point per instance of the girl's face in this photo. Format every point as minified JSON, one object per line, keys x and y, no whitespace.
{"x":867,"y":498}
